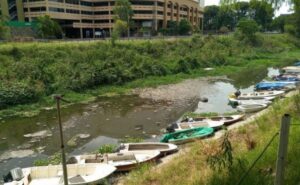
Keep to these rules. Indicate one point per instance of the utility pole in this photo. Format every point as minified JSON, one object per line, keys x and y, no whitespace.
{"x":58,"y":98}
{"x":282,"y":150}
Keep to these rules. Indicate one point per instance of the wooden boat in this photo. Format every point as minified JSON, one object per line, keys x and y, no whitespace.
{"x":251,"y":108}
{"x":188,"y":135}
{"x":195,"y":124}
{"x":163,"y":148}
{"x":78,"y":174}
{"x":258,"y":95}
{"x":291,"y":69}
{"x":122,"y":161}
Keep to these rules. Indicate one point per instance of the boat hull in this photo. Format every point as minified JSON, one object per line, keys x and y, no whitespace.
{"x":163,"y":148}
{"x":251,"y":108}
{"x":189,"y":135}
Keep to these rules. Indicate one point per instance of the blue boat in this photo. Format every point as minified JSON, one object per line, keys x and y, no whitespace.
{"x":276,"y":85}
{"x":297,"y":63}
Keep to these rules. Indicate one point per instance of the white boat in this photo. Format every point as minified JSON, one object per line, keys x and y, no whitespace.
{"x":237,"y":100}
{"x":250,"y":101}
{"x":163,"y":148}
{"x":78,"y":174}
{"x":258,"y":95}
{"x":196,"y":124}
{"x":122,"y":161}
{"x":251,"y":108}
{"x":291,"y":69}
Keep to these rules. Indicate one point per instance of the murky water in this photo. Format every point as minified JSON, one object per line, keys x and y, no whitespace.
{"x":110,"y":119}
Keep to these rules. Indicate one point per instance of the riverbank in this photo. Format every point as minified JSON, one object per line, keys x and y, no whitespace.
{"x":204,"y":162}
{"x":83,"y":72}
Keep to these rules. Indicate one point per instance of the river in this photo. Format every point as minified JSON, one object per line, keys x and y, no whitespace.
{"x":108,"y":120}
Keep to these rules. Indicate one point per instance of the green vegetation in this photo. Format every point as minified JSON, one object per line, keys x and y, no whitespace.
{"x":31,"y":72}
{"x":224,"y":161}
{"x":4,"y":29}
{"x":217,"y":17}
{"x":54,"y":159}
{"x":104,"y":149}
{"x":123,"y":12}
{"x":48,"y":28}
{"x":248,"y":28}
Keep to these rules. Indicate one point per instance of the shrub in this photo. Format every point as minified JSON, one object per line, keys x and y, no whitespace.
{"x":290,"y":29}
{"x":224,"y":30}
{"x":13,"y":93}
{"x":248,"y":28}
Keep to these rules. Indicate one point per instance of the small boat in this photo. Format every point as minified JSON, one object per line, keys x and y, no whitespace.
{"x":122,"y":161}
{"x":195,"y":124}
{"x":297,"y":63}
{"x":251,"y":108}
{"x":227,"y":120}
{"x":276,"y":85}
{"x":163,"y":148}
{"x":291,"y":69}
{"x":267,"y":95}
{"x":78,"y":174}
{"x":188,"y":135}
{"x":236,"y":102}
{"x":290,"y":78}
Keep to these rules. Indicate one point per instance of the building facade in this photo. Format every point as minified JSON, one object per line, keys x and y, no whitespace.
{"x":89,"y":18}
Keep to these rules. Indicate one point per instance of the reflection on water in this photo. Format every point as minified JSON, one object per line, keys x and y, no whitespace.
{"x":111,"y":119}
{"x":246,"y":77}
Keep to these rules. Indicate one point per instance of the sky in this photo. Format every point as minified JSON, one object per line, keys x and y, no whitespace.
{"x":283,"y":10}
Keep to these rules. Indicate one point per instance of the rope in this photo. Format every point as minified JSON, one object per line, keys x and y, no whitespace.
{"x":253,"y":164}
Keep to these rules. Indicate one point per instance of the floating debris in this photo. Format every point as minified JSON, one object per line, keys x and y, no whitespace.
{"x":40,"y":134}
{"x":138,"y":127}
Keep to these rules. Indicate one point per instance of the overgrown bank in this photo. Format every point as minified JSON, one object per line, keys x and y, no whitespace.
{"x":31,"y":72}
{"x":218,"y":162}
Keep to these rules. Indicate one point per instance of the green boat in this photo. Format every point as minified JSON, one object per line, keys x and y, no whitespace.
{"x":185,"y":136}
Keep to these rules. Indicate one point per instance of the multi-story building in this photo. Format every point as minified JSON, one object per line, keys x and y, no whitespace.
{"x":86,"y":18}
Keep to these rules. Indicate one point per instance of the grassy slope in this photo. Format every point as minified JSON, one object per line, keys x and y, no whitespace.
{"x":193,"y":168}
{"x":275,"y":50}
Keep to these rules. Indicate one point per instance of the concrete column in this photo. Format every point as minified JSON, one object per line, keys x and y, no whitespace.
{"x":47,"y":7}
{"x":80,"y":20}
{"x":165,"y":14}
{"x":192,"y":22}
{"x":172,"y":11}
{"x":20,"y":10}
{"x":155,"y":16}
{"x":178,"y":13}
{"x":110,"y":18}
{"x":188,"y":15}
{"x":4,"y":8}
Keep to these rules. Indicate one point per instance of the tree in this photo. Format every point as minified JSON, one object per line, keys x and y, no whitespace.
{"x":48,"y":28}
{"x":4,"y":29}
{"x":277,"y":4}
{"x":184,"y":27}
{"x":226,"y":17}
{"x":262,"y":12}
{"x":210,"y":17}
{"x":124,"y":12}
{"x":242,"y":10}
{"x":172,"y":28}
{"x":120,"y":27}
{"x":248,"y":28}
